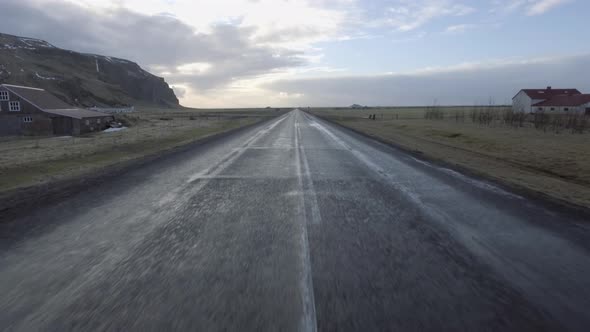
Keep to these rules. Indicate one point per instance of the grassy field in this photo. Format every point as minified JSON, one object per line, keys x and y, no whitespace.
{"x":27,"y":161}
{"x":554,"y":164}
{"x":388,"y":112}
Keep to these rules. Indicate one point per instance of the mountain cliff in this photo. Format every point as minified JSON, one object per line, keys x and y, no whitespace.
{"x":78,"y":78}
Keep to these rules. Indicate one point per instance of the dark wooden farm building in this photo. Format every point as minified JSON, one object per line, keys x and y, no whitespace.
{"x":32,"y":111}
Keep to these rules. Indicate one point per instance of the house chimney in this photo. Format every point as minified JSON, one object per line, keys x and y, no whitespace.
{"x":548,"y":88}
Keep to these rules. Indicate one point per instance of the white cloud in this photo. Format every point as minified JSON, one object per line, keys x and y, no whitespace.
{"x":529,"y":7}
{"x":195,"y":68}
{"x":200,"y":47}
{"x":179,"y":91}
{"x":406,"y":15}
{"x":230,"y":52}
{"x":293,"y":22}
{"x":456,"y":84}
{"x":461,"y":84}
{"x":162,"y":43}
{"x":292,"y":95}
{"x":542,"y":6}
{"x":459,"y":28}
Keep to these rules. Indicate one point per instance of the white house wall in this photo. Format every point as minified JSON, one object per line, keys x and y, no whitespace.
{"x":522,"y":102}
{"x":563,"y":109}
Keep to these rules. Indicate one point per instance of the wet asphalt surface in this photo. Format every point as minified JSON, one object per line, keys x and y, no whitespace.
{"x":294,"y":225}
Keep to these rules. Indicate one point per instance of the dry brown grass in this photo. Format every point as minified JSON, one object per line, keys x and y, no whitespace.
{"x":557,"y":165}
{"x":26,"y":161}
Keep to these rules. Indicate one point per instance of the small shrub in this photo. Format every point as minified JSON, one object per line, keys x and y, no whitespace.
{"x":577,"y":123}
{"x":127,"y":120}
{"x":513,"y":119}
{"x":434,"y":113}
{"x":541,"y":120}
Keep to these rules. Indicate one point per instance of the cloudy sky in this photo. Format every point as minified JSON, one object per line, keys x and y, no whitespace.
{"x":244,"y":53}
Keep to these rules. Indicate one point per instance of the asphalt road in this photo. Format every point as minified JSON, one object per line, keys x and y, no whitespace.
{"x":294,"y":225}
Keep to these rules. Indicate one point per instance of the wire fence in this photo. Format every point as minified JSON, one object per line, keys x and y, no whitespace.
{"x":575,"y":122}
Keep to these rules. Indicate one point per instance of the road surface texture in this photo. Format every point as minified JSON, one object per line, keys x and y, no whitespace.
{"x":294,"y":225}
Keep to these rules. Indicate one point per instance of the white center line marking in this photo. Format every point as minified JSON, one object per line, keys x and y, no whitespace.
{"x":309,"y":322}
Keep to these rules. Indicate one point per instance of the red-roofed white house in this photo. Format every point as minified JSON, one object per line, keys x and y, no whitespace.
{"x":527,"y":99}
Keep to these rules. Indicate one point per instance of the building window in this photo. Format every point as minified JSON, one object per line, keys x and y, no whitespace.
{"x":566,"y":109}
{"x":553,"y":108}
{"x":4,"y":96}
{"x":28,"y":119}
{"x":97,"y":120}
{"x":87,"y":122}
{"x":14,"y":106}
{"x":540,"y":108}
